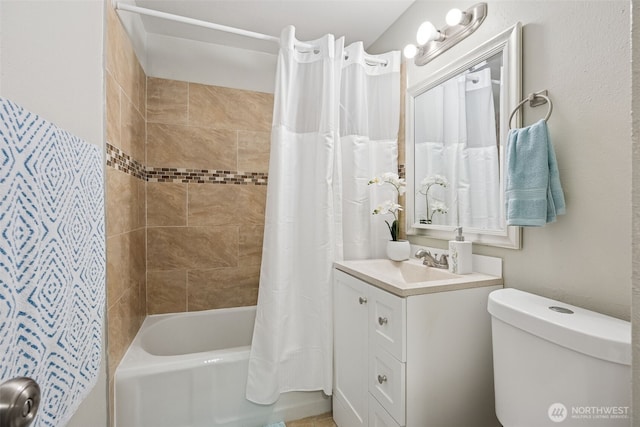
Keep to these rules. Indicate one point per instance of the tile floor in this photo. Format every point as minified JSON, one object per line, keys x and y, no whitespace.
{"x":324,"y":420}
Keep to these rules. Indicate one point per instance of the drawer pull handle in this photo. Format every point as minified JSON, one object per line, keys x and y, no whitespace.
{"x":382,"y":379}
{"x":382,"y":321}
{"x":362,"y":300}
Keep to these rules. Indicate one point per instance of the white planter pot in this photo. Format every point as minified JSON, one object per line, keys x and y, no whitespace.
{"x":398,"y":250}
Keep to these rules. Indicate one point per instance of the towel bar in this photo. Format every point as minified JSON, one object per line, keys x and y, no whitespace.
{"x":535,"y":99}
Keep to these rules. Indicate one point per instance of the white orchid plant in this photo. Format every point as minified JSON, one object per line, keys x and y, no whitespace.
{"x":389,"y":206}
{"x":437,"y":206}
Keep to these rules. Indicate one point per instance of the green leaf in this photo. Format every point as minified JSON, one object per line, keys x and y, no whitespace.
{"x":395,"y":228}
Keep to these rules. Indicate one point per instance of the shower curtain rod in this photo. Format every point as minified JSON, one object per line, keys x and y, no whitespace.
{"x":212,"y":26}
{"x":192,"y":21}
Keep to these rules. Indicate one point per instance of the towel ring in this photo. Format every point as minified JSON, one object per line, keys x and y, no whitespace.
{"x":530,"y":98}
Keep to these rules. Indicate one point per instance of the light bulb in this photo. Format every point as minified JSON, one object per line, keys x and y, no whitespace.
{"x":410,"y":51}
{"x":426,"y":33}
{"x":456,"y":17}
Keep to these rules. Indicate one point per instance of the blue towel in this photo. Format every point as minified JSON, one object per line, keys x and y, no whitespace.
{"x":280,"y":424}
{"x":533,"y":193}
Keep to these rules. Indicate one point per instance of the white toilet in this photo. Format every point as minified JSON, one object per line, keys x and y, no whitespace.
{"x":558,"y":365}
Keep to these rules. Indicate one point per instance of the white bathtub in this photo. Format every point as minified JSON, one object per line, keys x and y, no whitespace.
{"x":190,"y":370}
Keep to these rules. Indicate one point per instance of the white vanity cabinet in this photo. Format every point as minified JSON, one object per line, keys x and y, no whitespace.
{"x":369,"y":342}
{"x":417,"y":361}
{"x":351,"y":349}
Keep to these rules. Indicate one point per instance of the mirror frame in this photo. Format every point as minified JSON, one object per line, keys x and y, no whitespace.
{"x":509,"y":42}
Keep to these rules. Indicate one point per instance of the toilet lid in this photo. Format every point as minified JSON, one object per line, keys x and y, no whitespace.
{"x":581,"y":330}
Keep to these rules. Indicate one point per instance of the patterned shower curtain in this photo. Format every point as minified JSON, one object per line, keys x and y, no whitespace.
{"x":52,"y":260}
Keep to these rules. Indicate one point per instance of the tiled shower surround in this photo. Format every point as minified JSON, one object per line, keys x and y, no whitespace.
{"x":186,"y":187}
{"x":207,"y":157}
{"x":125,"y":195}
{"x":185,"y":232}
{"x":207,"y":164}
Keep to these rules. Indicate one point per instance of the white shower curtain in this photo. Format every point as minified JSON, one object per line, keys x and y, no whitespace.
{"x":292,"y":347}
{"x":459,"y":142}
{"x":482,"y":153}
{"x":369,"y":120}
{"x":441,"y":139}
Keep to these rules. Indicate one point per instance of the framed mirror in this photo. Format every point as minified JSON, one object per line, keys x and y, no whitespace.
{"x":457,"y":125}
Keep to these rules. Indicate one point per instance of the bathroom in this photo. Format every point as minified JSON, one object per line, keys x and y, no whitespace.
{"x":89,"y":81}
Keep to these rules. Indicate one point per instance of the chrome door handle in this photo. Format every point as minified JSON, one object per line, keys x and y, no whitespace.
{"x":19,"y":401}
{"x":382,"y":379}
{"x":362,"y":300}
{"x":382,"y":321}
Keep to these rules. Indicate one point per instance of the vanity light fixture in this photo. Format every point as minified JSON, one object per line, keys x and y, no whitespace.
{"x":432,"y":42}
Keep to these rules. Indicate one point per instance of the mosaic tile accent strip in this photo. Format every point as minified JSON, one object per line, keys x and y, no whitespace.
{"x":121,"y":161}
{"x":202,"y":176}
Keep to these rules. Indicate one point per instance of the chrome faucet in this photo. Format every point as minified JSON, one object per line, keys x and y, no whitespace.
{"x":430,"y":261}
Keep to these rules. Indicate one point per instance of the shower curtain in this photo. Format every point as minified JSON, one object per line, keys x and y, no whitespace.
{"x":304,"y":224}
{"x":460,"y":143}
{"x":482,"y":163}
{"x":369,"y":119}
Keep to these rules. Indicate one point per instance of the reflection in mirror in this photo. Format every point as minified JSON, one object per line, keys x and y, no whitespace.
{"x":457,"y":149}
{"x":456,"y":131}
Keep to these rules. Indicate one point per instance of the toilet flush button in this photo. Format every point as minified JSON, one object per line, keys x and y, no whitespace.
{"x":560,"y":309}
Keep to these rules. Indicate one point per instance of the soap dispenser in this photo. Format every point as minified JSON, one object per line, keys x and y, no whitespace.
{"x":460,"y":261}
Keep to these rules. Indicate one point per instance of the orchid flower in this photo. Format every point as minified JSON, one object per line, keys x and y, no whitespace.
{"x":393,"y":179}
{"x":437,"y":205}
{"x":389,"y":206}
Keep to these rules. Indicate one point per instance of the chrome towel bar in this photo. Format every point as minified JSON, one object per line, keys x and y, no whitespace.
{"x":535,"y":99}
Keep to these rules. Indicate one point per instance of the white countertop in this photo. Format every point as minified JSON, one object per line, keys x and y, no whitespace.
{"x":406,"y":279}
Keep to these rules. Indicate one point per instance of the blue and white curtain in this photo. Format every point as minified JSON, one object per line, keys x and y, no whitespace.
{"x":52,"y":260}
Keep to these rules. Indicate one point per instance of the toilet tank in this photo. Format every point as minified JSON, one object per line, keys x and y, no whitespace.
{"x":557,"y":364}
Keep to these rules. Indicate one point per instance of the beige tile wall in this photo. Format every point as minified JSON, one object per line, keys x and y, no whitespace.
{"x":179,"y":246}
{"x":125,"y":194}
{"x":204,"y":240}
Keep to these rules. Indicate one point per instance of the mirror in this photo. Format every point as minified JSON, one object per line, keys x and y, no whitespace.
{"x":457,"y":125}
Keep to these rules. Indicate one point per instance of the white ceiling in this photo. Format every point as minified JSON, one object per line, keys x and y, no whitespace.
{"x":179,"y":51}
{"x":357,"y":20}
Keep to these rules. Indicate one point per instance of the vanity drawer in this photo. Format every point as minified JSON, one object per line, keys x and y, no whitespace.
{"x":387,"y":383}
{"x":387,"y":316}
{"x":378,"y":416}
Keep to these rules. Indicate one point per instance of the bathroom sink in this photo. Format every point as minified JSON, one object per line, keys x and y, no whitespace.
{"x":408,"y":271}
{"x":405,"y":278}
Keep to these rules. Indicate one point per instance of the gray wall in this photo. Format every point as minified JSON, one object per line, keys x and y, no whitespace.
{"x":584,"y":258}
{"x":635,"y":313}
